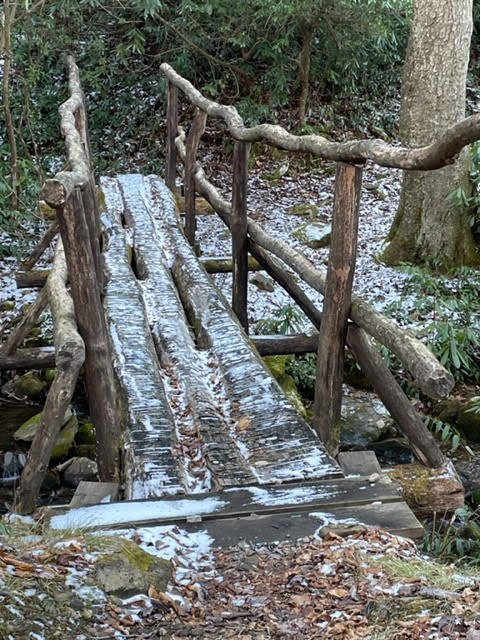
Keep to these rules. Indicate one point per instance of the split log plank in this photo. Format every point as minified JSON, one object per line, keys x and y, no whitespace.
{"x":69,"y":357}
{"x":176,"y":347}
{"x":149,"y":433}
{"x":279,"y":444}
{"x":338,"y":288}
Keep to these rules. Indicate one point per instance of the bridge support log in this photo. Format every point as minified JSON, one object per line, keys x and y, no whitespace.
{"x":41,"y":358}
{"x":336,"y":304}
{"x":36,"y":254}
{"x":69,"y":357}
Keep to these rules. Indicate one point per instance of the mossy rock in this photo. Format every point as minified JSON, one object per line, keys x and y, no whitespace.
{"x":290,"y":390}
{"x":65,"y":438}
{"x":277,"y":365}
{"x":315,"y":235}
{"x":262,"y":282}
{"x":305,"y":209}
{"x":29,"y":386}
{"x":49,"y":375}
{"x":129,"y":570}
{"x":84,"y":451}
{"x":85,"y":433}
{"x":7,"y":305}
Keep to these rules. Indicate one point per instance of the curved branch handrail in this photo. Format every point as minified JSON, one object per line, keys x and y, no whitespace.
{"x":57,"y":190}
{"x":433,"y":156}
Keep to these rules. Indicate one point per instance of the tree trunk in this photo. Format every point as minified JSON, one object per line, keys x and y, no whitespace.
{"x":304,"y":71}
{"x":8,"y":20}
{"x":427,"y":226}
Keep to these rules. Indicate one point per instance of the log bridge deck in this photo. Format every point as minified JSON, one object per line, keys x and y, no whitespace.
{"x":203,"y":416}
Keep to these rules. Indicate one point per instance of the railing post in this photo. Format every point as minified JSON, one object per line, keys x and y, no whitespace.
{"x":172,"y":126}
{"x":238,"y":229}
{"x":193,"y":140}
{"x":336,"y":305}
{"x":92,"y":327}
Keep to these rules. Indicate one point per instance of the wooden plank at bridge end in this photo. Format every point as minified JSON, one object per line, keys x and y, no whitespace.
{"x":236,"y":502}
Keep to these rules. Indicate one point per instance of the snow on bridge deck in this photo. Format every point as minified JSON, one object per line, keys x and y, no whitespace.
{"x":202,"y":411}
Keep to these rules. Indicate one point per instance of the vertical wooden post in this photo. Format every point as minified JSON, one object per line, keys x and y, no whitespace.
{"x":238,"y":228}
{"x":333,"y":330}
{"x":92,"y":216}
{"x":172,"y":126}
{"x":92,"y":327}
{"x":193,"y":140}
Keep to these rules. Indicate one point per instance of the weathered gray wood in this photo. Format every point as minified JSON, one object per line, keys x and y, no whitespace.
{"x":149,"y":431}
{"x":176,"y":347}
{"x":92,"y":216}
{"x":282,"y":345}
{"x":69,"y":357}
{"x":426,"y":371}
{"x":399,"y":406}
{"x":92,"y":328}
{"x":277,"y":442}
{"x":88,"y":493}
{"x":172,"y":125}
{"x":36,"y":254}
{"x":238,"y":228}
{"x":338,"y":288}
{"x":57,"y":190}
{"x":243,"y":501}
{"x":358,"y":463}
{"x":193,"y":140}
{"x":35,"y":279}
{"x":438,"y":154}
{"x":40,"y":358}
{"x":26,"y":324}
{"x":224,"y":264}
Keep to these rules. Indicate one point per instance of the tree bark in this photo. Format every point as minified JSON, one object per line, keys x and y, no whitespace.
{"x":9,"y":11}
{"x":193,"y":140}
{"x":238,"y":228}
{"x":172,"y":124}
{"x":47,"y":238}
{"x":427,"y":226}
{"x":304,"y":68}
{"x":38,"y":358}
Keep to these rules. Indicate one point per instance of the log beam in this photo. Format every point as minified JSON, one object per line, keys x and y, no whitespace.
{"x":440,"y":153}
{"x":193,"y":140}
{"x":40,"y":358}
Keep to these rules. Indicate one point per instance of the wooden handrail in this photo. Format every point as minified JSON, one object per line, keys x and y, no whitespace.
{"x":433,"y":156}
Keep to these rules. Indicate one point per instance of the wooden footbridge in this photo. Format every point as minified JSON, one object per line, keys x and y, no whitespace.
{"x":187,"y":416}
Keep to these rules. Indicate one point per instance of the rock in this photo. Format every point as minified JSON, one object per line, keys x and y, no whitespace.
{"x":28,"y":429}
{"x":65,"y":438}
{"x":392,"y":451}
{"x":458,"y":412}
{"x":305,"y":209}
{"x":314,"y":234}
{"x":469,"y":472}
{"x":49,"y":375}
{"x":11,"y":468}
{"x":7,"y":305}
{"x":29,"y":386}
{"x":79,"y":469}
{"x":85,"y":433}
{"x":129,"y":570}
{"x":262,"y":282}
{"x":364,"y":420}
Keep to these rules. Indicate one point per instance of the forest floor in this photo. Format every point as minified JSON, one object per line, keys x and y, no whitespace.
{"x":362,"y":584}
